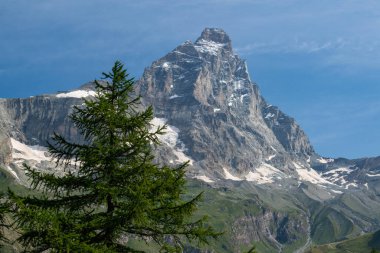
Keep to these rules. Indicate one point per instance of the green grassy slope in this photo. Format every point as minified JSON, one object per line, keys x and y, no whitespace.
{"x":330,"y":225}
{"x":361,"y":244}
{"x":231,"y":210}
{"x":241,"y":209}
{"x":237,"y":213}
{"x":342,"y":217}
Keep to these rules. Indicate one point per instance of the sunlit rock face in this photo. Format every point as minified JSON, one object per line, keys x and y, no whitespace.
{"x":204,"y":89}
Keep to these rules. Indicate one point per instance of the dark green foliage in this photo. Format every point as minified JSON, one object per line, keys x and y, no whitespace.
{"x":4,"y":207}
{"x":375,"y":240}
{"x":112,"y":189}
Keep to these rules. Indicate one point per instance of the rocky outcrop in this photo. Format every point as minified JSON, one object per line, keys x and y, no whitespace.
{"x":274,"y":227}
{"x":287,"y":131}
{"x":37,"y":118}
{"x":204,"y":90}
{"x":5,"y":149}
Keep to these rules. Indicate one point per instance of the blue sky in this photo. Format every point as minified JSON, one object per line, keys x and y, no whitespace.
{"x":317,"y":60}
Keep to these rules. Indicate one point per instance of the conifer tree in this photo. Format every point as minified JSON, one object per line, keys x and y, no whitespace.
{"x":112,"y":190}
{"x":4,"y":208}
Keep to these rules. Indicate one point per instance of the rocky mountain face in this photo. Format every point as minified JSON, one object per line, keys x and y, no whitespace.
{"x":245,"y":153}
{"x":204,"y":90}
{"x":31,"y":125}
{"x":27,"y":124}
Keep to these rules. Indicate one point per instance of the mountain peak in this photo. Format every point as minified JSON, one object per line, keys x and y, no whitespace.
{"x":215,"y":36}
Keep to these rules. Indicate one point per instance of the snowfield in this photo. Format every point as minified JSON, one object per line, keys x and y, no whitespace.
{"x":170,"y":138}
{"x":228,"y":175}
{"x":265,"y":174}
{"x":26,"y":152}
{"x":204,"y":178}
{"x":77,"y":94}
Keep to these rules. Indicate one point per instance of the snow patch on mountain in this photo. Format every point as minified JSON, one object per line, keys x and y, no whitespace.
{"x":373,"y":175}
{"x":174,"y":96}
{"x":238,"y":84}
{"x":77,"y":94}
{"x":337,"y":175}
{"x":26,"y":152}
{"x":166,"y":66}
{"x":309,"y":175}
{"x":325,"y":160}
{"x":170,"y":138}
{"x":264,"y":174}
{"x":12,"y":172}
{"x":354,"y":185}
{"x":209,"y":47}
{"x":204,"y":178}
{"x":228,"y":175}
{"x":337,"y":192}
{"x":242,"y":97}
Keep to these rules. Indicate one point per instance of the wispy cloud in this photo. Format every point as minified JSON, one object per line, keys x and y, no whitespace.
{"x":294,"y":46}
{"x":340,"y":52}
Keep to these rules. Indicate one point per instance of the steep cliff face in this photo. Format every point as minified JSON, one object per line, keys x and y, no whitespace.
{"x":6,"y":129}
{"x":277,"y":229}
{"x":28,"y":124}
{"x":204,"y":90}
{"x":5,"y":149}
{"x":287,"y":131}
{"x":35,"y":119}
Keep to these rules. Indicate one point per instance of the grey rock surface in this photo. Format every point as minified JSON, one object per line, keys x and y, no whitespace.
{"x":204,"y":90}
